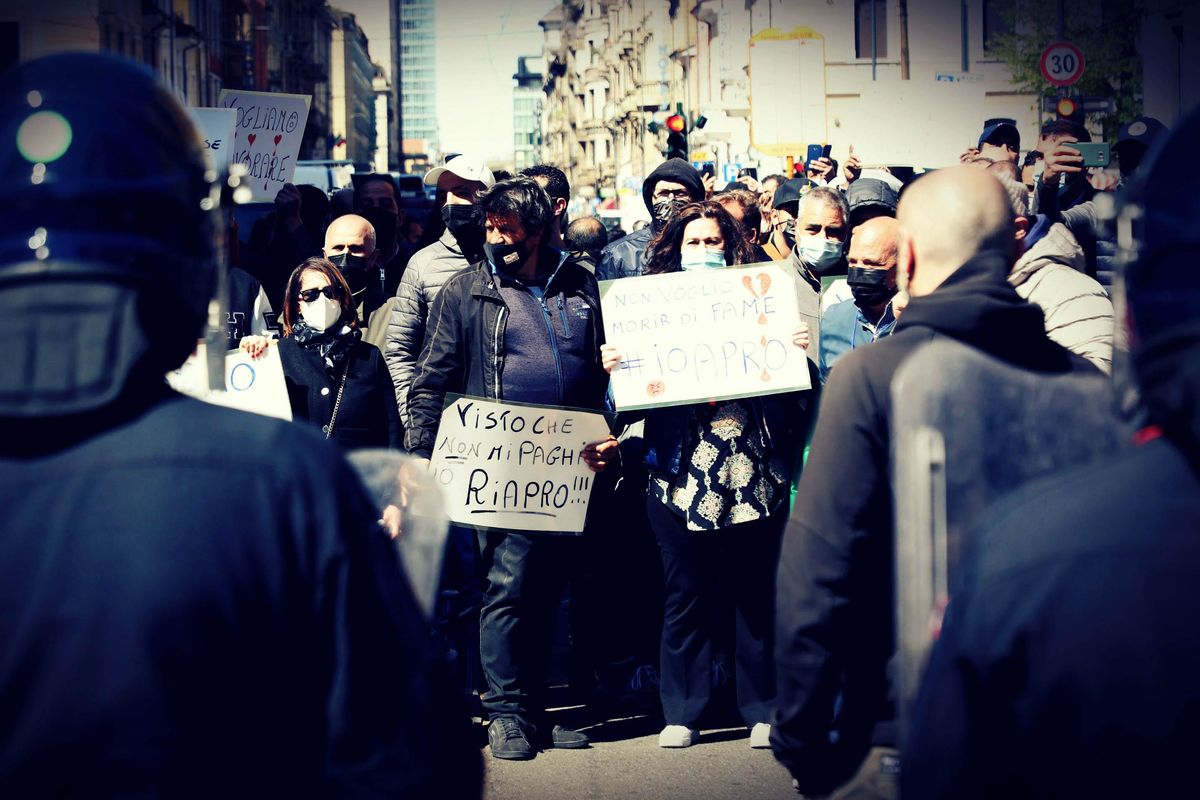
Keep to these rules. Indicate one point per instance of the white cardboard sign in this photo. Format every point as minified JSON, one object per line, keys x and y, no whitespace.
{"x":267,"y":136}
{"x":216,"y":129}
{"x":515,"y":466}
{"x":254,"y":385}
{"x":698,"y":335}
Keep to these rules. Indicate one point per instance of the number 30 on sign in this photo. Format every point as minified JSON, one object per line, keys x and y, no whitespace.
{"x":1062,"y":63}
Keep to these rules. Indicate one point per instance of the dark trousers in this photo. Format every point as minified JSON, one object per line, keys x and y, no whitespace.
{"x":702,"y":569}
{"x":526,"y":576}
{"x":618,"y":630}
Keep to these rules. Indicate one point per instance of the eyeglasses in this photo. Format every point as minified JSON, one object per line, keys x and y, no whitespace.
{"x":674,"y":194}
{"x":331,"y":291}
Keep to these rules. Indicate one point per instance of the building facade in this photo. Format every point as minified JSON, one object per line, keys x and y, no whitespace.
{"x":415,"y":65}
{"x":351,"y":93}
{"x":527,"y":112}
{"x":838,"y":72}
{"x":197,"y":47}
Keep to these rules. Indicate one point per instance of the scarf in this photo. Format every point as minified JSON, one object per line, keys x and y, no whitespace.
{"x":332,"y":345}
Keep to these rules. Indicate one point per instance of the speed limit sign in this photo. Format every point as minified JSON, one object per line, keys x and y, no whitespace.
{"x":1062,"y":63}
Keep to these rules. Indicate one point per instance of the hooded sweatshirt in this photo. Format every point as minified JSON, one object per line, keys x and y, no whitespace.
{"x":836,"y":616}
{"x":624,"y":257}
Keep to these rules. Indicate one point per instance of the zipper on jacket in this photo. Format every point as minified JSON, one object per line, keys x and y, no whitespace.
{"x":496,"y":351}
{"x":553,"y":344}
{"x":562,"y":311}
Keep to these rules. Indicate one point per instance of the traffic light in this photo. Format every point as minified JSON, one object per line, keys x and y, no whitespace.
{"x":1070,"y":107}
{"x":677,"y":143}
{"x":1067,"y":107}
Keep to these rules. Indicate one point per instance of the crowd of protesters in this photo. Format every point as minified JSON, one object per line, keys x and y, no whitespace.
{"x":739,"y":549}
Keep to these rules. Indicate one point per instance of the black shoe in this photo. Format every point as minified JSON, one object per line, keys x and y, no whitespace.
{"x":508,"y":740}
{"x":566,"y":739}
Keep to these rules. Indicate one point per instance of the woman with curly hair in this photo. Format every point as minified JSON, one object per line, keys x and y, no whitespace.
{"x":720,"y":480}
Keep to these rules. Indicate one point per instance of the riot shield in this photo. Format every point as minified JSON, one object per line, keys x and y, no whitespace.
{"x":411,"y":508}
{"x":966,"y":430}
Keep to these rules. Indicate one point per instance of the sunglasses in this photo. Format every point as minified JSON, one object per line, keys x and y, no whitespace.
{"x":331,"y":291}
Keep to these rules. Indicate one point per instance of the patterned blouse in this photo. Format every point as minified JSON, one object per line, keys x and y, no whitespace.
{"x":730,"y":477}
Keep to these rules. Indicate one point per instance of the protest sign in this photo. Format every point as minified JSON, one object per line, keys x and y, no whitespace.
{"x":515,"y":466}
{"x":698,"y":335}
{"x":216,"y":127}
{"x":267,"y":136}
{"x":254,"y":385}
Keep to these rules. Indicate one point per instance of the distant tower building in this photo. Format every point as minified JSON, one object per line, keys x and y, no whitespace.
{"x":417,"y":82}
{"x":352,"y":92}
{"x":527,"y":112}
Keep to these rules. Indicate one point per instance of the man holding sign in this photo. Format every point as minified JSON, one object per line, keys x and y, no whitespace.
{"x":520,"y":326}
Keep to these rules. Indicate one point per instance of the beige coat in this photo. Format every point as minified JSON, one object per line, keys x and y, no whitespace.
{"x":1079,"y":315}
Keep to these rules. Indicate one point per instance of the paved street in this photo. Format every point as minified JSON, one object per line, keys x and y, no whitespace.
{"x":626,"y":762}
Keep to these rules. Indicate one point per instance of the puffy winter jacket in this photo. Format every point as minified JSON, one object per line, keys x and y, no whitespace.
{"x":427,"y":270}
{"x":1078,"y":313}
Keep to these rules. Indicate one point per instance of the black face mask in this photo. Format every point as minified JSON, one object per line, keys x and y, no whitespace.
{"x":508,"y":258}
{"x":353,"y":269}
{"x":869,"y":287}
{"x":788,"y":229}
{"x":664,"y":210}
{"x":384,"y":223}
{"x":459,"y":219}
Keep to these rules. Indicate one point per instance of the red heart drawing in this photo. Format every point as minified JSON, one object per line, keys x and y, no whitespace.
{"x":278,"y":136}
{"x":250,"y":138}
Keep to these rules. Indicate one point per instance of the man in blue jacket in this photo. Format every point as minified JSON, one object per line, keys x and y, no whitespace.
{"x":523,"y":325}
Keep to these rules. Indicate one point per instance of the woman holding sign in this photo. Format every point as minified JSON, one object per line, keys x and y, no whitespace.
{"x":334,"y":379}
{"x":720,"y":480}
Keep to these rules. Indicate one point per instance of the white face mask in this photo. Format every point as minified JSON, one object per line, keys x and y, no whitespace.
{"x":321,"y":313}
{"x":702,"y":259}
{"x":818,"y":252}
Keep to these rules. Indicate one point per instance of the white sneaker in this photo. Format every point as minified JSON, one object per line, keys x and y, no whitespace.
{"x":760,"y":736}
{"x":677,"y":736}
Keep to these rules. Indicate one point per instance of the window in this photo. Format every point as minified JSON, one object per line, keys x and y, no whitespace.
{"x":862,"y":28}
{"x":998,"y":19}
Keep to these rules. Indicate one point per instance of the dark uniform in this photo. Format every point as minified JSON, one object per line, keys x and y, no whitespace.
{"x":1067,"y":665}
{"x":194,"y":601}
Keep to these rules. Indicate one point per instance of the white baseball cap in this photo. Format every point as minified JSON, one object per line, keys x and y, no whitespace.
{"x":464,"y":166}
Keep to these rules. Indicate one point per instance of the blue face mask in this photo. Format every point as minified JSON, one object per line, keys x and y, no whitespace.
{"x":819,"y":253}
{"x":702,"y":259}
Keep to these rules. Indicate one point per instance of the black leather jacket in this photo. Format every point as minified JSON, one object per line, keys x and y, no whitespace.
{"x":464,"y":350}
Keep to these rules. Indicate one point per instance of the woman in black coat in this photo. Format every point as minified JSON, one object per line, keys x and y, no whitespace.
{"x":334,"y":379}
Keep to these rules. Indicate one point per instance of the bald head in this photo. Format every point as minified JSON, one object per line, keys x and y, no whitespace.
{"x":946,"y":218}
{"x":350,"y":233}
{"x":875,"y":242}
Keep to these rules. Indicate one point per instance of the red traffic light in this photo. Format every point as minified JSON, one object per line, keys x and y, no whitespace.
{"x":1066,"y":107}
{"x":676,"y":123}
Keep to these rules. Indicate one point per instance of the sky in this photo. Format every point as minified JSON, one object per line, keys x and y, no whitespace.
{"x":478,"y":42}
